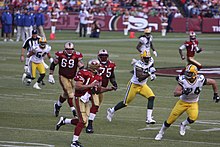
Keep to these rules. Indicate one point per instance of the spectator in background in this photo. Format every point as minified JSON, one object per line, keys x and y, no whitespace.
{"x":19,"y":21}
{"x":7,"y":24}
{"x":54,"y":14}
{"x":83,"y":16}
{"x":39,"y":22}
{"x":96,"y":28}
{"x":126,"y":22}
{"x":169,"y":21}
{"x":90,"y":21}
{"x":28,"y":22}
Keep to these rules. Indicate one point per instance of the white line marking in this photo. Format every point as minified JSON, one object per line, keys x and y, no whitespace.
{"x":114,"y":136}
{"x":27,"y":144}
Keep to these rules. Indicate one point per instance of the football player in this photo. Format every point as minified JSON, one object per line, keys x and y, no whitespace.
{"x":146,"y":42}
{"x":137,"y":85}
{"x":188,"y":90}
{"x":106,"y":70}
{"x":69,"y":61}
{"x":27,"y":45}
{"x":192,"y":47}
{"x":86,"y":80}
{"x":36,"y":56}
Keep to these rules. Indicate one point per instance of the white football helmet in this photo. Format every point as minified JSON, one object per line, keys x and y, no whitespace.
{"x":69,"y":48}
{"x":192,"y":35}
{"x":103,"y":56}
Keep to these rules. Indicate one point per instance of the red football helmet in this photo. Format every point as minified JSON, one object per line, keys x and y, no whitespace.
{"x":103,"y":56}
{"x":69,"y":48}
{"x":192,"y":36}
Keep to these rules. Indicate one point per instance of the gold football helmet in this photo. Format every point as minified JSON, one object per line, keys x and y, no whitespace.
{"x":43,"y":42}
{"x":93,"y":65}
{"x":191,"y":71}
{"x":69,"y":48}
{"x":145,"y":56}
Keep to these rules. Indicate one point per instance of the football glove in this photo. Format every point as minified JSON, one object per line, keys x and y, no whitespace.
{"x":152,"y":70}
{"x":216,"y":97}
{"x":152,"y":77}
{"x":51,"y":60}
{"x":51,"y":79}
{"x":115,"y":85}
{"x":186,"y":91}
{"x":155,"y":53}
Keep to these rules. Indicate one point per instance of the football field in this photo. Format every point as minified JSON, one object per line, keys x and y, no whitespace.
{"x":26,"y":114}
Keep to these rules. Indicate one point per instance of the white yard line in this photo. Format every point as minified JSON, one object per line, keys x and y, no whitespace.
{"x":113,"y":136}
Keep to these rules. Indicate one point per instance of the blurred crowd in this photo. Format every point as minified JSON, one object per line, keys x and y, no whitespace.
{"x":143,"y":8}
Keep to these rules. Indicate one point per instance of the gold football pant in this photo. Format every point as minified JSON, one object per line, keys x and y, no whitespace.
{"x":133,"y":89}
{"x":37,"y":66}
{"x":192,"y":110}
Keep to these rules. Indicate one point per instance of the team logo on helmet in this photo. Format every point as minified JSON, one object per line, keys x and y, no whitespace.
{"x":93,"y":65}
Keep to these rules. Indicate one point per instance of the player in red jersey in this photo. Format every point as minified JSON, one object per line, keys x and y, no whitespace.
{"x":106,"y":70}
{"x":192,"y":47}
{"x":69,"y":61}
{"x":87,"y":80}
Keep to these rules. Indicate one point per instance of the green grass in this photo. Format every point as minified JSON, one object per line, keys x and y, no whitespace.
{"x":27,"y":114}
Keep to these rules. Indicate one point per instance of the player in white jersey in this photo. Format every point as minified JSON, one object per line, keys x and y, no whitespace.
{"x":137,"y":85}
{"x":146,"y":42}
{"x":36,"y":56}
{"x":188,"y":89}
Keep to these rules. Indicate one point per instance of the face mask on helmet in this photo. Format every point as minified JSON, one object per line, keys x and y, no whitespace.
{"x":191,"y":72}
{"x":93,"y":65}
{"x":42,"y":42}
{"x":103,"y":56}
{"x":147,"y":32}
{"x":145,"y":56}
{"x":69,"y":48}
{"x":192,"y":36}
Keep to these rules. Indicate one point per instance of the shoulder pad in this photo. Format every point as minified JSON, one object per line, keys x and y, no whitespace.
{"x":141,"y":36}
{"x":201,"y":78}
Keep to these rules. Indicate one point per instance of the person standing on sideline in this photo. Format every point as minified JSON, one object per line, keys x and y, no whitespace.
{"x":86,"y":80}
{"x":39,"y":22}
{"x":19,"y":21}
{"x":106,"y":70}
{"x":143,"y":69}
{"x":54,"y":15}
{"x":7,"y":24}
{"x":83,"y":16}
{"x":28,"y":23}
{"x":146,"y":42}
{"x":188,"y":90}
{"x":69,"y":60}
{"x":96,"y":28}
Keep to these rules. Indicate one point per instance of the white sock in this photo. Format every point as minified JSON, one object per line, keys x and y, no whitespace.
{"x":75,"y":138}
{"x":53,"y":29}
{"x":149,"y":114}
{"x":185,"y":122}
{"x":67,"y":121}
{"x":72,"y":108}
{"x":163,"y":129}
{"x":92,"y":116}
{"x":59,"y":103}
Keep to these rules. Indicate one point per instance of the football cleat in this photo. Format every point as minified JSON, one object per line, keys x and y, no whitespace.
{"x":109,"y":114}
{"x":60,"y":123}
{"x":42,"y":83}
{"x":76,"y":144}
{"x":56,"y":109}
{"x":36,"y":86}
{"x":159,"y":136}
{"x":150,"y":121}
{"x":182,"y":129}
{"x":89,"y":129}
